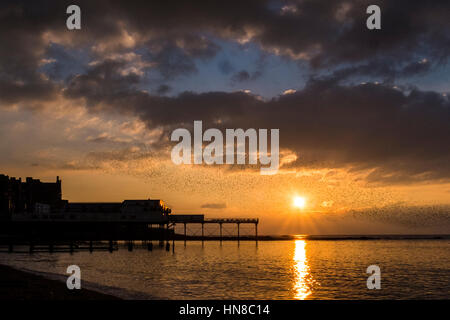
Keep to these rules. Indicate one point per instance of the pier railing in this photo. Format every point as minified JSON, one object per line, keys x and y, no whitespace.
{"x":239,"y":220}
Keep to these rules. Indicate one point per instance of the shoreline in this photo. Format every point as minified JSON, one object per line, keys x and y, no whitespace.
{"x":20,"y":285}
{"x":179,"y":237}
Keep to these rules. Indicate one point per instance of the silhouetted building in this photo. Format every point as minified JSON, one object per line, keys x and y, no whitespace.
{"x":36,"y":200}
{"x":5,"y":197}
{"x":19,"y":197}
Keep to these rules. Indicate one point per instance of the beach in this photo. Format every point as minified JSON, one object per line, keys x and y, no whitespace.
{"x":20,"y":285}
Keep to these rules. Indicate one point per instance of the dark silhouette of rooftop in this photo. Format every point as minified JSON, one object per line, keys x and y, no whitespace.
{"x":17,"y":196}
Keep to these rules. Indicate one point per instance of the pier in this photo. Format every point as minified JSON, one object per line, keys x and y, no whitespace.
{"x":237,"y":222}
{"x":64,"y":236}
{"x":33,"y":214}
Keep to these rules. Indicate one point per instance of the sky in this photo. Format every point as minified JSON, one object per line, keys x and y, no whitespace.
{"x":363,"y":114}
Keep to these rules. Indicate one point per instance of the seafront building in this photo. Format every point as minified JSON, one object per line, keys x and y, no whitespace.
{"x":35,"y":200}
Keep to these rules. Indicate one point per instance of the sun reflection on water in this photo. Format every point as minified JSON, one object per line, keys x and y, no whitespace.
{"x":303,"y":281}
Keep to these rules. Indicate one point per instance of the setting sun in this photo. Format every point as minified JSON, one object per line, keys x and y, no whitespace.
{"x":299,"y":202}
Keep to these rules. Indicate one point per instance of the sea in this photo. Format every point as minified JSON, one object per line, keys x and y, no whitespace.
{"x":295,"y":269}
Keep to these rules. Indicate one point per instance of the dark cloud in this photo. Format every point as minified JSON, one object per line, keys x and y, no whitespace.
{"x":163,"y":89}
{"x":324,"y":34}
{"x":173,"y":62}
{"x":102,"y":82}
{"x":401,"y":136}
{"x":244,"y":75}
{"x":241,"y":76}
{"x":175,"y":57}
{"x":384,"y":69}
{"x":21,"y":52}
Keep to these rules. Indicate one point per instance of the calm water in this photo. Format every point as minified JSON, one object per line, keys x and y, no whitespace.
{"x":297,"y":269}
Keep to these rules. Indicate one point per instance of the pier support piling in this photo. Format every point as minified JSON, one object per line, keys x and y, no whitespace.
{"x":161,"y":235}
{"x":166,"y":235}
{"x":238,"y":231}
{"x":203,"y":232}
{"x":185,"y":236}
